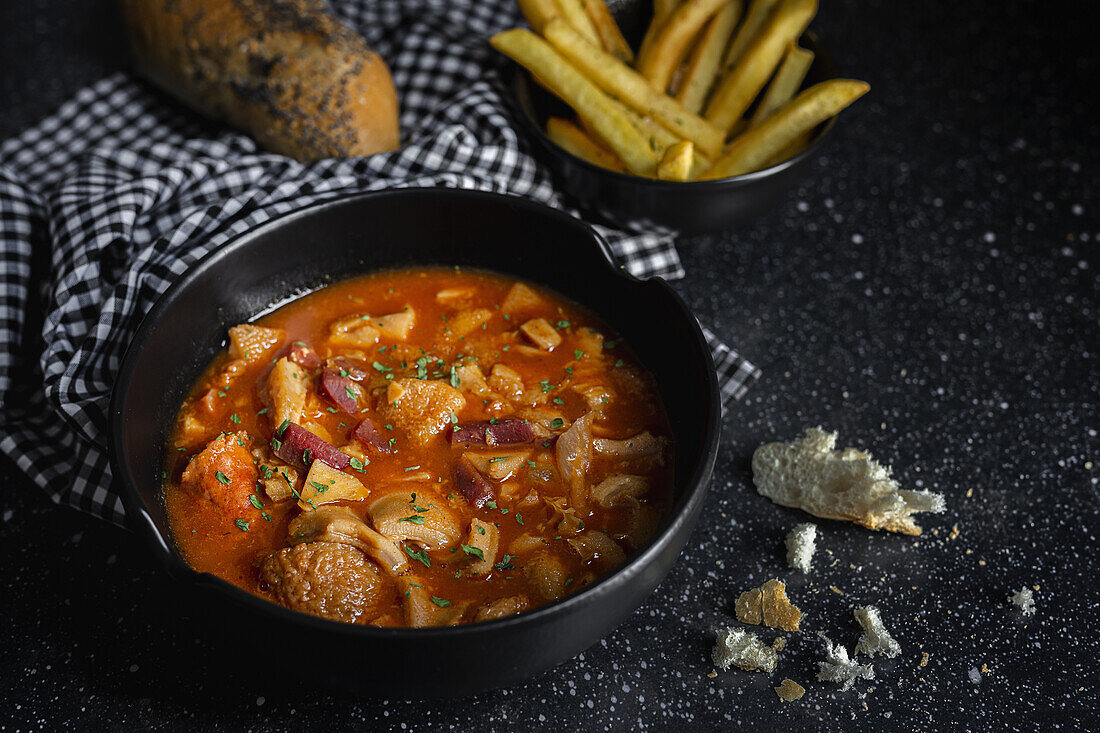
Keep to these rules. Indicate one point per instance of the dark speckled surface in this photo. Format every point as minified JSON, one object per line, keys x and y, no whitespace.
{"x":932,"y":293}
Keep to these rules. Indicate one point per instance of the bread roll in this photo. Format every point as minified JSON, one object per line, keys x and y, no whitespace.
{"x":287,"y":72}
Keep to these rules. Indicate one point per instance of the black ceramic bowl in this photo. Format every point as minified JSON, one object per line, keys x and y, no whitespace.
{"x":691,"y":207}
{"x":351,"y":236}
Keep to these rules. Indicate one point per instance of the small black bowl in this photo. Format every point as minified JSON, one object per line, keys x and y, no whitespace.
{"x":369,"y":232}
{"x":637,"y":202}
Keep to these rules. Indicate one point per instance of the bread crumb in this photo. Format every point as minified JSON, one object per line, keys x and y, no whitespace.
{"x":768,"y":605}
{"x":924,"y":657}
{"x":839,"y":668}
{"x":801,"y":543}
{"x":789,"y":690}
{"x":743,"y":649}
{"x":779,"y":643}
{"x":712,"y":674}
{"x":836,"y":590}
{"x":876,"y":639}
{"x":810,"y":474}
{"x":1025,"y":599}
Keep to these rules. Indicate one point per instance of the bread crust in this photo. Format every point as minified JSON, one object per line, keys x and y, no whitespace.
{"x":287,"y":72}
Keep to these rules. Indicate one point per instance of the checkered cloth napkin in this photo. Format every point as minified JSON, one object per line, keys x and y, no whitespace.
{"x":110,"y":199}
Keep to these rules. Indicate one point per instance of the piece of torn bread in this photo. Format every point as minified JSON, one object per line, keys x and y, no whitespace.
{"x":810,"y":474}
{"x":768,"y":605}
{"x":737,"y":647}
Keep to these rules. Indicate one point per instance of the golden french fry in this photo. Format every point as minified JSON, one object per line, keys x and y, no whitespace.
{"x":538,"y":12}
{"x":759,"y":10}
{"x":752,"y":149}
{"x":560,"y":77}
{"x":785,"y":84}
{"x":663,"y":57}
{"x":706,"y":59}
{"x":631,"y":88}
{"x":575,"y":15}
{"x":660,"y":139}
{"x":574,"y":140}
{"x":610,"y":35}
{"x":662,"y":11}
{"x":736,"y":91}
{"x":676,"y":163}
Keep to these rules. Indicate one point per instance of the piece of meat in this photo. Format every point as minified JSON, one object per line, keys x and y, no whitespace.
{"x":366,"y":432}
{"x":278,"y":478}
{"x":396,"y":326}
{"x":596,"y":547}
{"x":465,"y":322}
{"x":499,"y":466}
{"x":224,"y":473}
{"x":506,"y":380}
{"x":353,"y":332}
{"x":303,"y":355}
{"x":325,"y":485}
{"x":287,"y":387}
{"x":614,"y":489}
{"x":502,"y":607}
{"x":340,"y":524}
{"x":541,"y":334}
{"x":637,"y":446}
{"x":471,"y":484}
{"x":482,"y":537}
{"x":416,"y":518}
{"x":573,"y":452}
{"x":509,"y":431}
{"x":327,"y":579}
{"x":546,"y":573}
{"x":423,"y":610}
{"x":520,"y":298}
{"x":421,"y":408}
{"x":252,"y":344}
{"x":337,"y":385}
{"x":299,"y":447}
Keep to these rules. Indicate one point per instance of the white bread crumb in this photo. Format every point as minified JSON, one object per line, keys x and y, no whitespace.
{"x":838,"y":668}
{"x":876,"y":639}
{"x":810,"y":474}
{"x":739,"y":647}
{"x":801,"y":543}
{"x":1025,"y":599}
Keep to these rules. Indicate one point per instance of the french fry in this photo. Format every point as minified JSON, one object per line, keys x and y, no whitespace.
{"x":736,"y":91}
{"x":752,"y":149}
{"x":706,"y":59}
{"x":662,"y":11}
{"x":631,"y":88}
{"x":759,"y":10}
{"x":785,"y":84}
{"x":608,"y":30}
{"x":659,"y":137}
{"x":677,"y":161}
{"x":663,"y":57}
{"x":560,"y":77}
{"x":575,"y":15}
{"x":574,"y":140}
{"x":538,"y":12}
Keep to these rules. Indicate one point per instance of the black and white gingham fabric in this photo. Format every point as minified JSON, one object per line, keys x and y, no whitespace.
{"x":110,"y":199}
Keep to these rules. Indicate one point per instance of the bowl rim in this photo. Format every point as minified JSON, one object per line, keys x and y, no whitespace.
{"x":522,"y":87}
{"x":681,"y":513}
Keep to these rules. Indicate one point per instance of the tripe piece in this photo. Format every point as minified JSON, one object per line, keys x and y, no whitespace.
{"x":768,"y":605}
{"x":876,"y":639}
{"x":810,"y":474}
{"x":801,"y":543}
{"x":743,"y":649}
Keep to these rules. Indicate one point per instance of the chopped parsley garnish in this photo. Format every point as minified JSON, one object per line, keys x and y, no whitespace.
{"x":577,"y":353}
{"x":618,"y":362}
{"x":506,"y":562}
{"x":414,"y":519}
{"x":266,"y":516}
{"x":421,"y":555}
{"x":475,"y":551}
{"x":255,"y":501}
{"x":351,"y":394}
{"x":411,"y":468}
{"x":221,"y":477}
{"x":519,"y":518}
{"x":455,"y":381}
{"x":498,"y":459}
{"x":262,"y":412}
{"x":454,"y":418}
{"x":441,"y":602}
{"x":557,"y":422}
{"x":564,"y":324}
{"x":241,"y":525}
{"x":321,"y":488}
{"x":381,"y":367}
{"x":356,"y":464}
{"x":235,"y":418}
{"x":282,"y":428}
{"x":559,"y":401}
